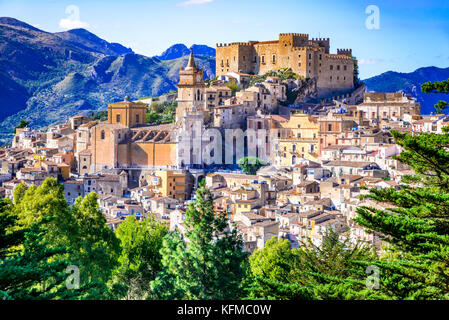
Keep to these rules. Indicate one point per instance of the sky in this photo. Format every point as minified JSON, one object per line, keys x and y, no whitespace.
{"x":384,"y":35}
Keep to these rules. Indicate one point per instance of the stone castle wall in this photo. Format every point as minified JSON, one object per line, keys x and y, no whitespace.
{"x":307,"y":57}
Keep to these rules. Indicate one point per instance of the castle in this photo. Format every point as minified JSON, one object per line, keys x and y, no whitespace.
{"x":309,"y":58}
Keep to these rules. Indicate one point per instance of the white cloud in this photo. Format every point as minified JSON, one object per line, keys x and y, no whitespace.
{"x":193,"y":2}
{"x":369,"y":61}
{"x":73,"y":21}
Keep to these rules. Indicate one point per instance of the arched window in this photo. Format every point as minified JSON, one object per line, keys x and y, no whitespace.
{"x":102,"y":135}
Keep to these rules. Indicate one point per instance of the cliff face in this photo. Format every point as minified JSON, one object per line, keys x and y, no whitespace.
{"x":48,"y":77}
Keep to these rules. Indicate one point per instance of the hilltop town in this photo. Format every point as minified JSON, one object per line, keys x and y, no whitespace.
{"x":289,"y":102}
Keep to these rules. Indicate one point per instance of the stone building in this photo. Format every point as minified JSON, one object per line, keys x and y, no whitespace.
{"x":191,"y":89}
{"x":378,"y":106}
{"x":302,"y":141}
{"x":310,"y":58}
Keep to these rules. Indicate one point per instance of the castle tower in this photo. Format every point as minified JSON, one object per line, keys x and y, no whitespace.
{"x":191,"y":89}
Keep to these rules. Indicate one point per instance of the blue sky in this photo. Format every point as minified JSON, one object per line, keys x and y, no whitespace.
{"x":411,"y":33}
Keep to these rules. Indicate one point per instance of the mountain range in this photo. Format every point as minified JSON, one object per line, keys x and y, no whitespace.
{"x":410,"y":83}
{"x":46,"y":78}
{"x":180,"y":50}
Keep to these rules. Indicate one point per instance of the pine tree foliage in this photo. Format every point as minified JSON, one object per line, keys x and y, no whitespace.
{"x":416,"y":227}
{"x":208,"y":263}
{"x":335,"y":270}
{"x":30,"y":268}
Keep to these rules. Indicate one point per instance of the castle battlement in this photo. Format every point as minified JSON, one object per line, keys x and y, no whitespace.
{"x":321,"y":39}
{"x":302,"y":35}
{"x":220,"y":45}
{"x":345,"y":52}
{"x":338,"y":56}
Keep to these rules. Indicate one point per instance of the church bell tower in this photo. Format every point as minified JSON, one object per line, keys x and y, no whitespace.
{"x":191,"y":89}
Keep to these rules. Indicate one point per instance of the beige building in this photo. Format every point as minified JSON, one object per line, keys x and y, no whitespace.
{"x":378,"y":106}
{"x":310,"y":58}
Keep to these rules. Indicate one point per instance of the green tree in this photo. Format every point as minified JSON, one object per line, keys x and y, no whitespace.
{"x":22,"y":124}
{"x":82,"y":229}
{"x":100,"y":116}
{"x":208,"y":262}
{"x":30,"y":268}
{"x":436,"y":87}
{"x":19,"y":192}
{"x":416,"y":228}
{"x":335,"y":270}
{"x":275,"y":261}
{"x":153,"y":118}
{"x":140,"y":258}
{"x":250,"y":165}
{"x":95,"y":245}
{"x":440,"y":106}
{"x":34,"y":204}
{"x":233,"y":86}
{"x":157,"y":107}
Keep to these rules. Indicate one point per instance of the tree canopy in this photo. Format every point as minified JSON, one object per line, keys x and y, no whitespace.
{"x":209,"y":263}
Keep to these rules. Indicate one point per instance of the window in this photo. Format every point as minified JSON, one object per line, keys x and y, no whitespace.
{"x":338,"y":67}
{"x":118,"y":118}
{"x":137,"y":120}
{"x":332,"y":67}
{"x":263,"y":59}
{"x":274,"y":58}
{"x":345,"y":67}
{"x":329,"y":127}
{"x":102,"y":135}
